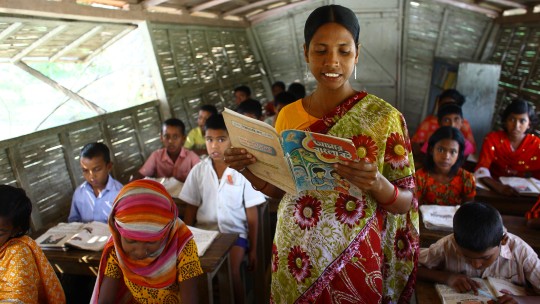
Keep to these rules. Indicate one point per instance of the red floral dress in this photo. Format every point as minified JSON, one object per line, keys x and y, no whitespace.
{"x":460,"y":189}
{"x":431,"y":124}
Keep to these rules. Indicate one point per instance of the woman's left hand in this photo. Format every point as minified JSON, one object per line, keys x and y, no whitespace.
{"x":364,"y":175}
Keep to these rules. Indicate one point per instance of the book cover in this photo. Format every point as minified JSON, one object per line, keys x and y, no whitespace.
{"x":294,"y":160}
{"x":524,"y":186}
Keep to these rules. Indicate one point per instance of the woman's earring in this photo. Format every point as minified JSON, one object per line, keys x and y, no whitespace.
{"x":355,"y":72}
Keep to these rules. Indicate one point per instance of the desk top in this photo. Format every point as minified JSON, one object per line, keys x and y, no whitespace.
{"x":83,"y":262}
{"x":511,"y":205}
{"x":515,"y":225}
{"x":426,"y":293}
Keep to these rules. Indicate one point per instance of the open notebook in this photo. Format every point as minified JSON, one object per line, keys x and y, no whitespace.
{"x":203,"y":238}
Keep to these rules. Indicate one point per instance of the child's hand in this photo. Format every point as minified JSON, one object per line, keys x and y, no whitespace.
{"x":252,"y":257}
{"x":462,"y":283}
{"x":507,"y":299}
{"x":506,"y":190}
{"x":364,"y":175}
{"x":238,"y":158}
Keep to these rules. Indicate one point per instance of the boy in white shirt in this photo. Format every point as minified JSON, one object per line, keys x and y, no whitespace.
{"x":220,"y":198}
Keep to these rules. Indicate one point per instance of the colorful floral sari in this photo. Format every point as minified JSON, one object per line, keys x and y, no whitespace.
{"x":332,"y":247}
{"x":26,"y":275}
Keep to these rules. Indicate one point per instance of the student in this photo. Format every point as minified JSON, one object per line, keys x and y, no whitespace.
{"x":511,"y":152}
{"x":278,"y":87}
{"x":451,"y":115}
{"x":220,"y":198}
{"x":442,"y":181}
{"x":241,"y":94}
{"x":151,"y":256}
{"x":533,"y":216}
{"x":251,"y":108}
{"x":195,"y":138}
{"x":92,"y":200}
{"x":297,"y":89}
{"x":173,"y":160}
{"x":480,"y":247}
{"x":431,"y":122}
{"x":25,"y":274}
{"x":329,"y":244}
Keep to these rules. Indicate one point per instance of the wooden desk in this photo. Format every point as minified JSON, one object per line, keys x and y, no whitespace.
{"x":514,"y":224}
{"x":426,"y":293}
{"x":215,"y":261}
{"x":511,"y":205}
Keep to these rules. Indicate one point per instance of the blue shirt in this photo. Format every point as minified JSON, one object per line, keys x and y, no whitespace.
{"x":86,"y":207}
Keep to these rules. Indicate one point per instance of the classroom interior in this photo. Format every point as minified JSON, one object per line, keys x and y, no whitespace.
{"x":183,"y":54}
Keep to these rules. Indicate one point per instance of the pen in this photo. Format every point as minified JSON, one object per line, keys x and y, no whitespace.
{"x":486,"y":294}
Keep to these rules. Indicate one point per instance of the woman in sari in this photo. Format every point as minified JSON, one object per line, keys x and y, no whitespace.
{"x":25,"y":273}
{"x":151,"y":256}
{"x":332,"y":246}
{"x":512,"y":151}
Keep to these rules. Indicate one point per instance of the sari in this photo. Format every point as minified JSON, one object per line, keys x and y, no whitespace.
{"x":332,"y":247}
{"x":26,"y":275}
{"x":144,"y":211}
{"x":498,"y":156}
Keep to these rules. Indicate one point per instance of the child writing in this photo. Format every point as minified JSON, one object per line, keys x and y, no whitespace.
{"x":92,"y":200}
{"x":512,"y":151}
{"x":220,"y":198}
{"x":480,"y":247}
{"x":173,"y":160}
{"x":151,"y":256}
{"x":195,"y":138}
{"x":442,"y":181}
{"x":25,"y":274}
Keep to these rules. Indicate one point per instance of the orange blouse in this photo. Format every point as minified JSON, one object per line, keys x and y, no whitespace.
{"x":460,"y":189}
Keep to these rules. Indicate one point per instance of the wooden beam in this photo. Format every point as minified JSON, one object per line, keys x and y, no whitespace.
{"x":107,"y":44}
{"x":269,"y":13}
{"x":507,"y":3}
{"x":515,"y":19}
{"x":471,"y":7}
{"x":92,"y":106}
{"x":76,"y":42}
{"x":10,"y":30}
{"x":150,"y":3}
{"x":38,"y":42}
{"x":207,"y":4}
{"x":249,"y":7}
{"x":136,"y":14}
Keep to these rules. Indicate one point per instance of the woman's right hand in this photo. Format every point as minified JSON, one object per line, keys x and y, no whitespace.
{"x":238,"y":158}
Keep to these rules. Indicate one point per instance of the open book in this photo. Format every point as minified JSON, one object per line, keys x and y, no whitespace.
{"x":171,"y":184}
{"x":490,"y":290}
{"x":88,"y":236}
{"x":525,"y":186}
{"x":294,"y":160}
{"x":203,"y":238}
{"x":437,"y":217}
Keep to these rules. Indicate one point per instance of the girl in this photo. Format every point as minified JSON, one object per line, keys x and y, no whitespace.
{"x":331,"y":245}
{"x":511,"y":152}
{"x":442,"y":181}
{"x":25,"y":274}
{"x":151,"y":255}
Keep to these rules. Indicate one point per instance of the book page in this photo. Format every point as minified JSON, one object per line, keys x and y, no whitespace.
{"x":203,"y":238}
{"x":500,"y":286}
{"x":312,"y":157}
{"x":450,"y":296}
{"x":171,"y":184}
{"x":522,"y":185}
{"x":438,"y":217}
{"x":92,"y":236}
{"x":57,"y":236}
{"x":261,"y":140}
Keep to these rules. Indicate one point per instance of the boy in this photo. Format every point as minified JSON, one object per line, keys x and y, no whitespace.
{"x":172,"y":160}
{"x":251,"y":108}
{"x":93,"y":199}
{"x":195,"y":138}
{"x":220,"y":198}
{"x":480,"y":247}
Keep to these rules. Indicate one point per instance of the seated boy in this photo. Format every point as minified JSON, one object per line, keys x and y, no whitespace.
{"x":220,"y":198}
{"x":93,"y":199}
{"x":173,"y":160}
{"x":195,"y":138}
{"x":480,"y":247}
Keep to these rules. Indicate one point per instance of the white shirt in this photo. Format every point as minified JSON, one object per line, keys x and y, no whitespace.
{"x":222,"y":202}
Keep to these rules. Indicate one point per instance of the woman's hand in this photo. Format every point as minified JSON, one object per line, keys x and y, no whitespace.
{"x":362,"y":174}
{"x":238,"y":158}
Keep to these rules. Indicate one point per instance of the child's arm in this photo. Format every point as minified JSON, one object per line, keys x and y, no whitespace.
{"x":190,"y":214}
{"x":252,"y":215}
{"x":107,"y":293}
{"x":188,"y":291}
{"x":459,"y":282}
{"x":499,"y":187}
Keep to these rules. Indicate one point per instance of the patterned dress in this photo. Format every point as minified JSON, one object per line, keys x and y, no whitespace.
{"x":332,"y":247}
{"x":498,"y":156}
{"x":462,"y":188}
{"x":26,"y":275}
{"x":431,"y":123}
